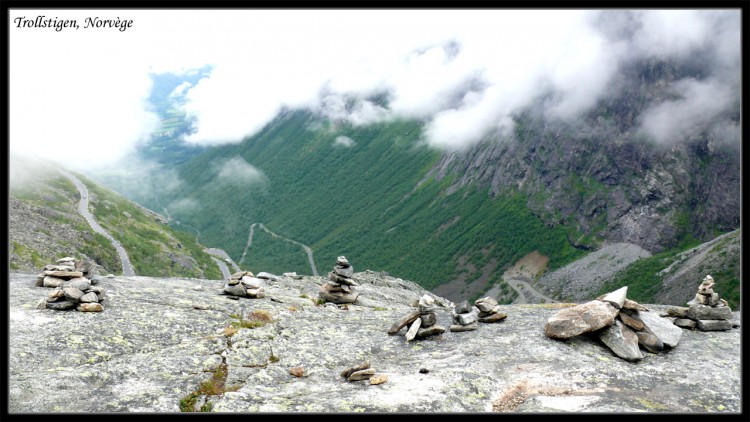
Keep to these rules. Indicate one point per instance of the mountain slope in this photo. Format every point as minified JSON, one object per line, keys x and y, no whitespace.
{"x":376,"y":192}
{"x":368,"y":200}
{"x":45,"y":226}
{"x":673,"y":277}
{"x":602,"y":176}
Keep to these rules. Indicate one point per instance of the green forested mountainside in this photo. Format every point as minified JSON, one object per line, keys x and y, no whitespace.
{"x":377,"y":194}
{"x":367,"y":201}
{"x":266,"y":249}
{"x":45,"y":226}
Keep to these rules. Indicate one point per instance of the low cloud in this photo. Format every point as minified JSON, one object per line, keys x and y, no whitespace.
{"x":240,"y":172}
{"x":344,"y":141}
{"x":696,"y":108}
{"x":23,"y":171}
{"x":464,"y":74}
{"x":184,"y":206}
{"x":466,"y":83}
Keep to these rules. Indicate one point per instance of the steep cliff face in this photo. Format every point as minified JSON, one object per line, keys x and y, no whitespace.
{"x":159,"y":341}
{"x":603,"y":177}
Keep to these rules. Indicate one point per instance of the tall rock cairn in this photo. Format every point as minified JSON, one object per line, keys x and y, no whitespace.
{"x":71,"y":288}
{"x":706,"y":312}
{"x":341,"y":287}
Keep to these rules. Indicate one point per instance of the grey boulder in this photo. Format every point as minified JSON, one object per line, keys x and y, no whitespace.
{"x":580,"y":319}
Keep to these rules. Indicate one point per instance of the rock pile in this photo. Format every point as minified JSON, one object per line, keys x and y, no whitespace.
{"x":72,"y":290}
{"x":489,"y":310}
{"x":707,"y":311}
{"x":422,"y":322}
{"x":340,"y":289}
{"x":244,"y":284}
{"x":465,"y":317}
{"x":621,"y":324}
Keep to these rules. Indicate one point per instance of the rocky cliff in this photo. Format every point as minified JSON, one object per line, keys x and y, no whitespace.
{"x":601,"y":176}
{"x":165,"y":344}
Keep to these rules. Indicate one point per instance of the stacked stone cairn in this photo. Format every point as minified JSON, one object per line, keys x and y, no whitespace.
{"x":244,"y":284}
{"x":465,"y":317}
{"x":71,"y":287}
{"x":489,"y":310}
{"x":340,"y":289}
{"x":422,"y":322}
{"x":707,"y":312}
{"x":621,"y":324}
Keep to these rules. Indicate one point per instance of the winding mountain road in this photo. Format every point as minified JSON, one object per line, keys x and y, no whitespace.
{"x":83,"y":209}
{"x":249,"y":241}
{"x":526,"y":293}
{"x":223,"y":267}
{"x":307,"y":249}
{"x":221,"y":253}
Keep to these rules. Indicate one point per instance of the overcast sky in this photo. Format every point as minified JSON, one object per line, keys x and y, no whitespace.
{"x":81,"y":94}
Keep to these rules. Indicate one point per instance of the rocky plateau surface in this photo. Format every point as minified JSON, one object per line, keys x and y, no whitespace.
{"x":158,"y":340}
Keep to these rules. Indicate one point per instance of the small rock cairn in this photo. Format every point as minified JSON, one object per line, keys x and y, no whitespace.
{"x":362,"y":372}
{"x":340,"y":289}
{"x":72,"y":290}
{"x":244,"y":284}
{"x":489,"y":310}
{"x":465,"y":317}
{"x":621,"y":324}
{"x":707,"y":311}
{"x":422,"y":322}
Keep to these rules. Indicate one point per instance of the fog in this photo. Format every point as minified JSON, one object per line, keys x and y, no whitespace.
{"x":79,"y":97}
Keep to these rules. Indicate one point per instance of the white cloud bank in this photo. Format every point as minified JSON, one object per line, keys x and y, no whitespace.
{"x":464,"y":72}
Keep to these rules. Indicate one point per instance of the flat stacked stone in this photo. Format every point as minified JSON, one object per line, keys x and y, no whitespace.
{"x":360,"y":372}
{"x":267,"y":276}
{"x":71,"y":290}
{"x":53,"y":275}
{"x":623,"y":325}
{"x":341,"y":286}
{"x":244,"y":284}
{"x":489,"y":310}
{"x":465,"y":317}
{"x":706,"y":312}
